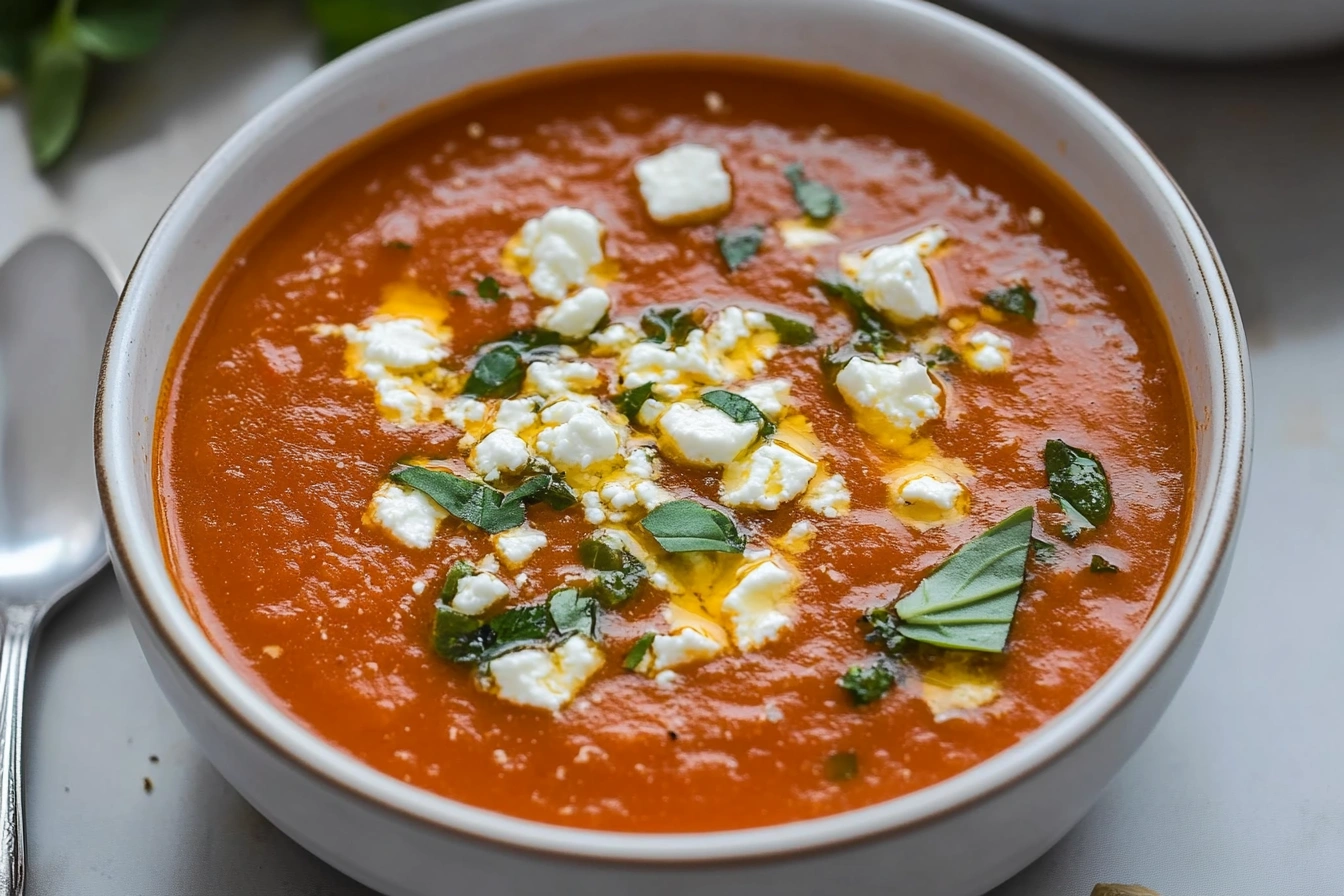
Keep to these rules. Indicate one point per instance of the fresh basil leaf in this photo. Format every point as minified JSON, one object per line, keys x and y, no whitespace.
{"x":1101,"y":564}
{"x":866,"y":318}
{"x":521,"y":625}
{"x":739,"y":409}
{"x":548,"y":487}
{"x":667,"y":325}
{"x":533,"y":339}
{"x":638,"y":652}
{"x":789,"y":330}
{"x":1078,"y":483}
{"x":456,"y":573}
{"x":471,"y":502}
{"x":618,"y":572}
{"x":460,"y":638}
{"x":684,"y":526}
{"x":1019,"y":300}
{"x":969,"y":600}
{"x":867,"y":684}
{"x":884,"y":629}
{"x":1043,"y":551}
{"x":573,"y":613}
{"x":498,"y":374}
{"x":119,"y":31}
{"x":819,"y":202}
{"x":842,"y":766}
{"x":738,"y":246}
{"x":941,"y":355}
{"x":489,"y":289}
{"x":630,"y":401}
{"x":58,"y":74}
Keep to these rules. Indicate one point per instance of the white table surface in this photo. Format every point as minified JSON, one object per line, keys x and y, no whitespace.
{"x":1239,"y":791}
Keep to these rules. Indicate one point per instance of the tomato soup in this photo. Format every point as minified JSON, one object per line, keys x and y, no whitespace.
{"x":675,"y":445}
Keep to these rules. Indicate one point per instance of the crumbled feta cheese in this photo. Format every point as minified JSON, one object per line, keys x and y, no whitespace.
{"x":687,"y":364}
{"x":545,"y":678}
{"x":799,"y":234}
{"x":703,"y":434}
{"x":771,"y":397}
{"x":988,"y":352}
{"x":799,"y":537}
{"x":499,"y":452}
{"x":559,"y":250}
{"x":642,"y":463}
{"x":478,"y":593}
{"x":767,"y":478}
{"x":559,"y":377}
{"x":894,"y":279}
{"x":930,"y":490}
{"x":828,"y":496}
{"x":408,"y":515}
{"x":462,"y":411}
{"x":684,"y":184}
{"x":754,"y":608}
{"x":515,"y":546}
{"x":581,"y":441}
{"x":927,"y":241}
{"x":576,"y":316}
{"x":403,"y":399}
{"x":516,"y":414}
{"x":899,"y":396}
{"x":400,"y":345}
{"x":615,"y":338}
{"x":682,"y":648}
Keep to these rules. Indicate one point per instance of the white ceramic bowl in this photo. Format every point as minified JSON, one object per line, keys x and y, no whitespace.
{"x":955,"y":839}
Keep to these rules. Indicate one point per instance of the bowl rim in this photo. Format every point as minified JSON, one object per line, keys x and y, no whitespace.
{"x":1208,"y":541}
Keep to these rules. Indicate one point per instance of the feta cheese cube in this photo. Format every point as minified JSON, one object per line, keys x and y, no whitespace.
{"x":478,"y":593}
{"x":685,"y":184}
{"x":828,"y":496}
{"x":895,"y":280}
{"x":559,"y":377}
{"x":988,"y":352}
{"x":754,"y":609}
{"x":767,"y":478}
{"x":705,"y":435}
{"x":931,"y":491}
{"x":499,"y":452}
{"x":576,"y":316}
{"x":559,"y":250}
{"x":889,"y":398}
{"x":545,"y":678}
{"x":515,"y":546}
{"x":408,"y":515}
{"x":682,"y":648}
{"x":584,"y":440}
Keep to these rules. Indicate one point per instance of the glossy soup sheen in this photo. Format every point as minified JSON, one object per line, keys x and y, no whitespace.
{"x":268,"y":452}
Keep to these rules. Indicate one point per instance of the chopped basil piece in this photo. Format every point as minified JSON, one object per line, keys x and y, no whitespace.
{"x":819,"y":202}
{"x":789,"y":330}
{"x":867,"y":683}
{"x":630,"y":401}
{"x":548,"y":487}
{"x":1017,"y":300}
{"x":885,"y":630}
{"x":740,"y":409}
{"x":618,"y":572}
{"x":638,"y":652}
{"x":456,"y":573}
{"x":520,"y":625}
{"x":1043,"y":551}
{"x":867,"y":319}
{"x":573,"y":613}
{"x":471,"y":502}
{"x":530,"y":340}
{"x":498,"y":374}
{"x":842,"y":766}
{"x":667,"y":325}
{"x":398,"y":244}
{"x":1101,"y":564}
{"x":738,"y":246}
{"x":1078,"y":483}
{"x":968,"y":601}
{"x":460,"y":638}
{"x":684,"y":526}
{"x":488,"y":288}
{"x":941,"y":354}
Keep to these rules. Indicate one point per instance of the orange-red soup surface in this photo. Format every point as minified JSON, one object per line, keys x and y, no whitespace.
{"x":273,"y":444}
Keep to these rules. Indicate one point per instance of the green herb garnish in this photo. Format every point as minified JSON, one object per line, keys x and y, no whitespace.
{"x":573,"y":613}
{"x":630,"y":401}
{"x":345,"y":24}
{"x":618,"y":572}
{"x":738,"y":246}
{"x":1101,"y":564}
{"x":489,"y":289}
{"x":548,"y":487}
{"x":866,"y":318}
{"x":667,"y":325}
{"x":885,"y":630}
{"x":638,"y":652}
{"x":842,"y":766}
{"x":819,"y":202}
{"x":1043,"y":551}
{"x":456,"y":573}
{"x":459,"y":637}
{"x":789,"y":330}
{"x":941,"y":355}
{"x":867,"y":683}
{"x":739,"y":409}
{"x":469,"y":639}
{"x":521,"y":625}
{"x":481,"y":505}
{"x":532,"y":339}
{"x":684,"y":526}
{"x":498,"y":374}
{"x":968,"y":601}
{"x":1019,"y":300}
{"x":1078,"y":483}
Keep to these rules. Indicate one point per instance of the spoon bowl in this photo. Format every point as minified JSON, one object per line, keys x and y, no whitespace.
{"x":56,"y":304}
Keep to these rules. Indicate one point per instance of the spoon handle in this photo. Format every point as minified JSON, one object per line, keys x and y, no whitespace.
{"x":19,"y":623}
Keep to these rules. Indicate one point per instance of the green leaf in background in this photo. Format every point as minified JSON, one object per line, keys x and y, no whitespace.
{"x":1078,"y":483}
{"x":684,"y":526}
{"x":58,"y":73}
{"x":789,"y":330}
{"x":867,"y":684}
{"x":738,"y":246}
{"x":11,"y":61}
{"x":345,"y":24}
{"x":120,"y":30}
{"x":819,"y":202}
{"x":739,"y":409}
{"x":1019,"y":300}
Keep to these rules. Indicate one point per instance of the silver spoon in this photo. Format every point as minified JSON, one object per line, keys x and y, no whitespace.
{"x":56,"y":303}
